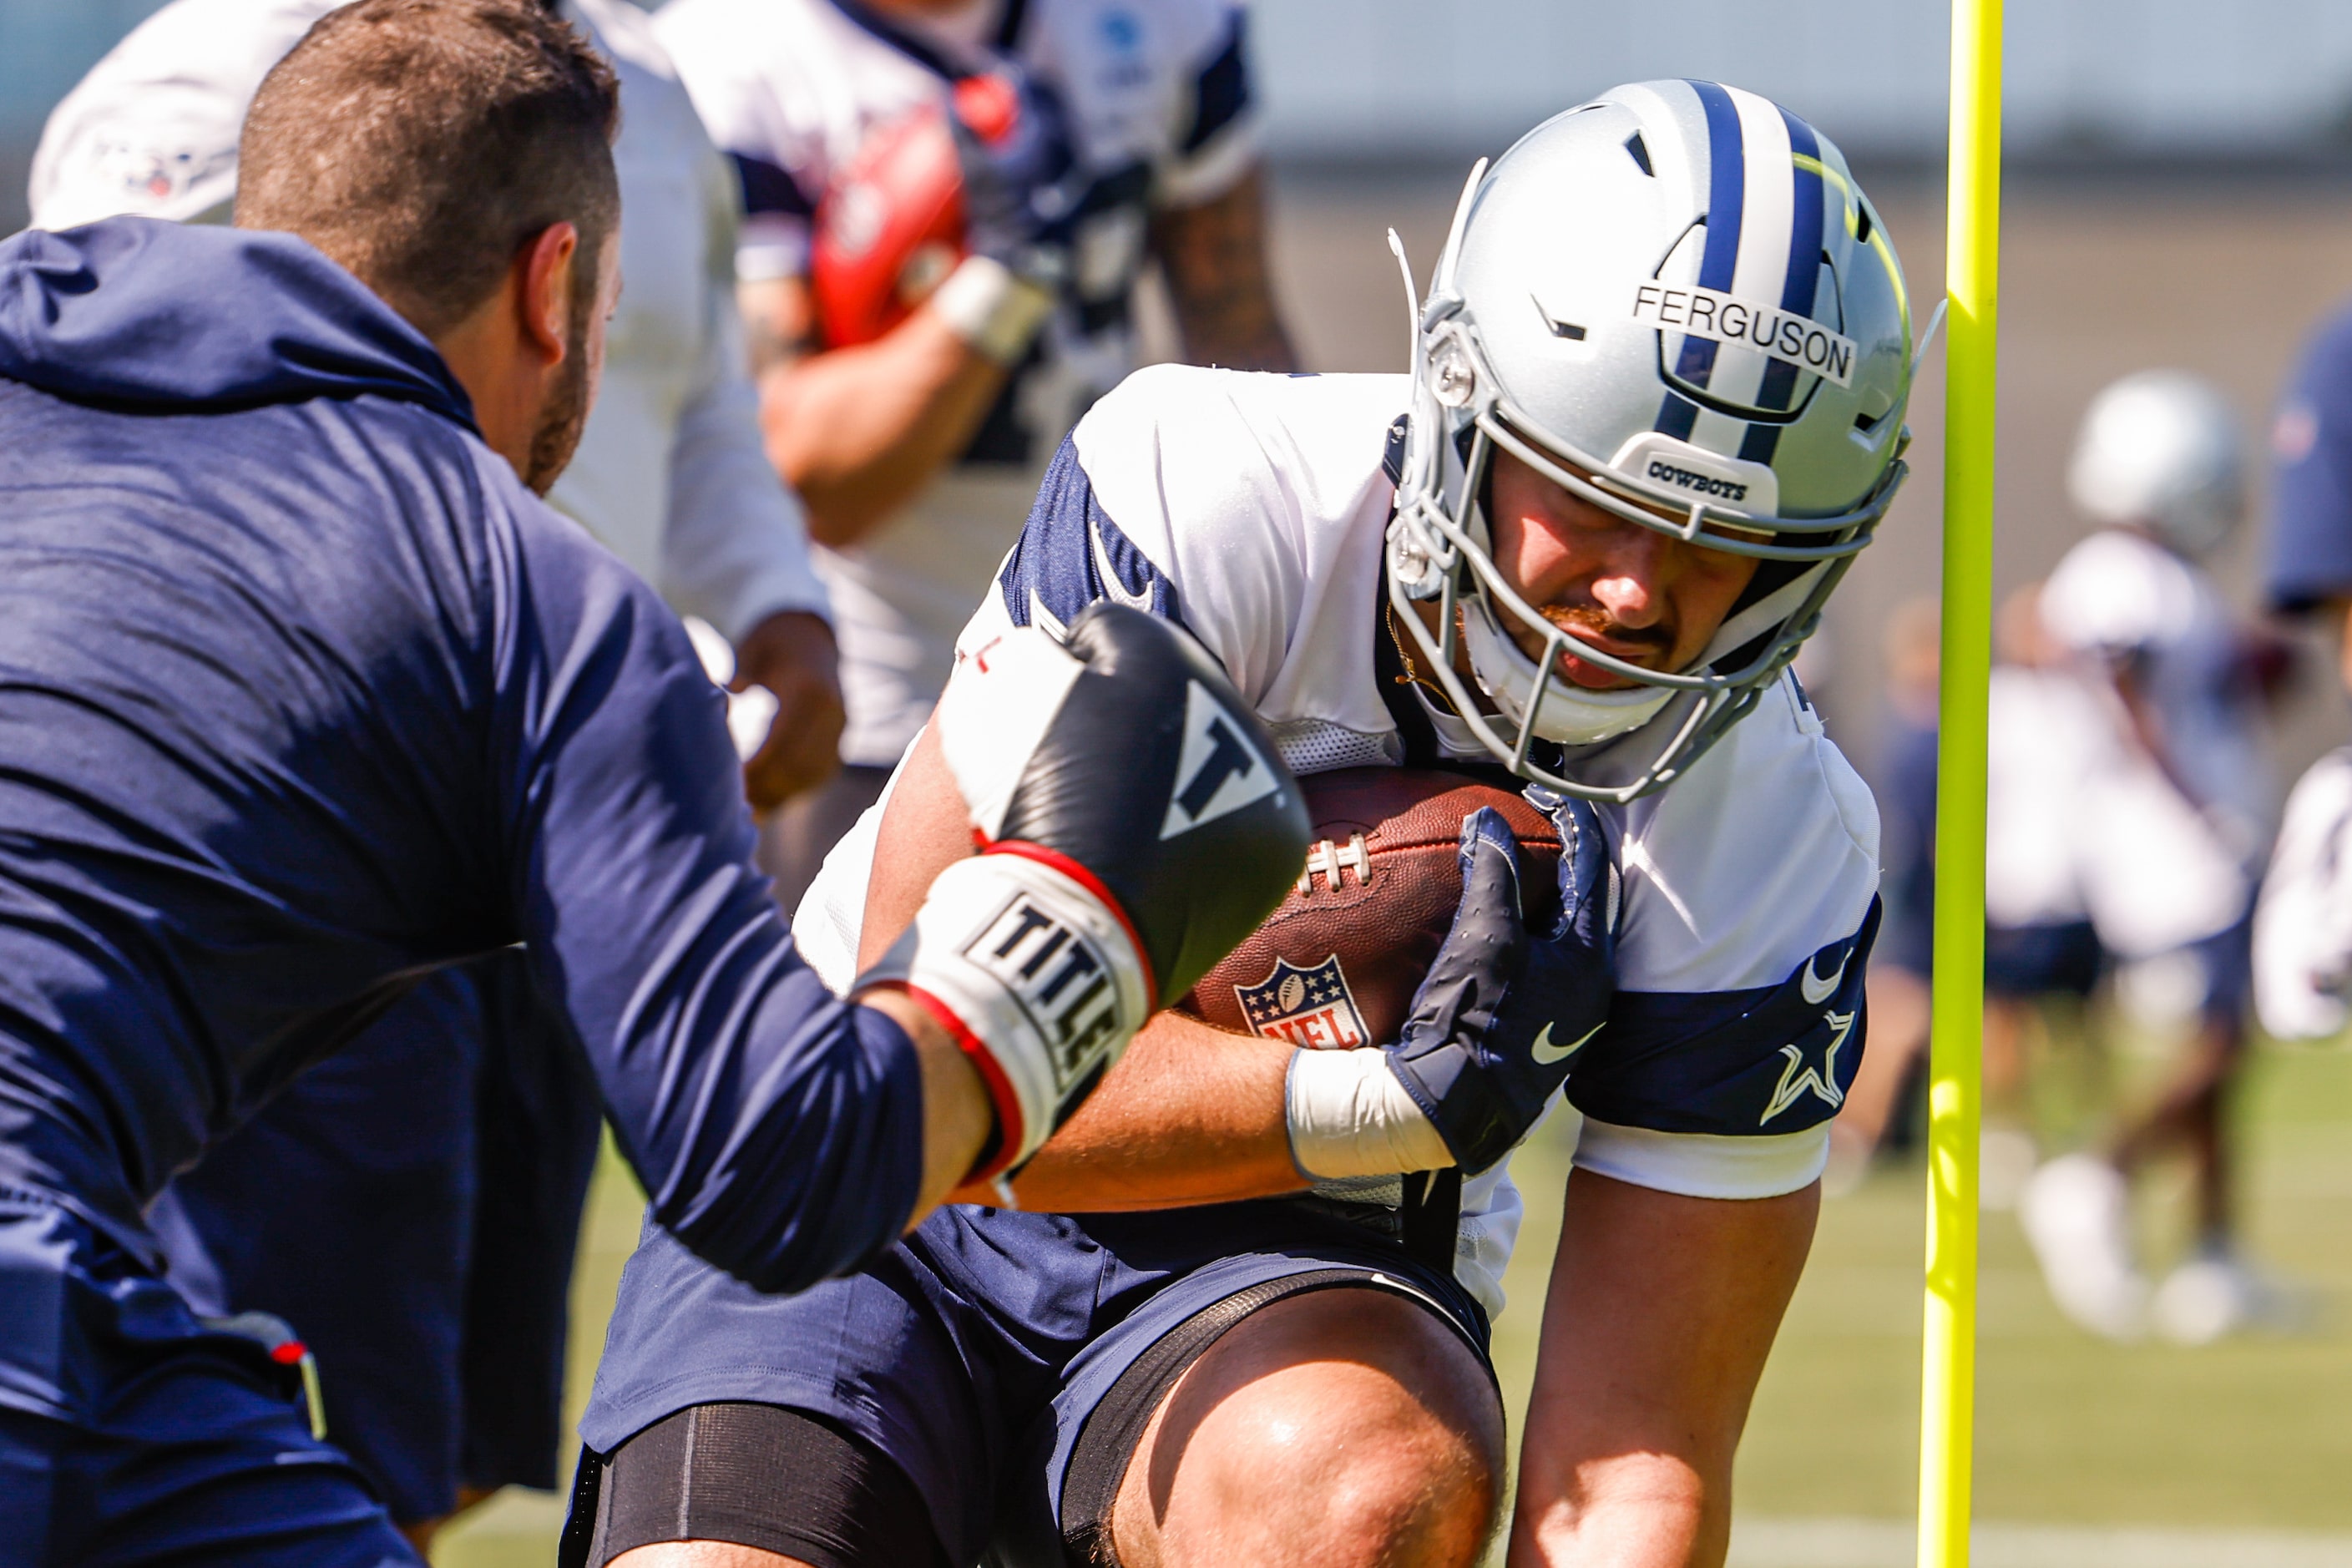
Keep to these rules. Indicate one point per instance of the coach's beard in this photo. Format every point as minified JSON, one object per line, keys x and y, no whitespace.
{"x":565,"y":413}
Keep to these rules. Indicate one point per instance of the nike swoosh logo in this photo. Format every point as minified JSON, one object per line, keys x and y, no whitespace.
{"x":1546,"y":1053}
{"x":1117,"y":591}
{"x":1817,"y":989}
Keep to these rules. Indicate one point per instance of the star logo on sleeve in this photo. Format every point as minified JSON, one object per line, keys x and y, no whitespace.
{"x":1803,"y":1075}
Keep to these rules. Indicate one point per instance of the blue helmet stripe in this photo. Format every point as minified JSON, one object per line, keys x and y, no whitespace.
{"x":1799,"y":287}
{"x":1727,"y":179}
{"x":1726,"y":171}
{"x":1678,"y":416}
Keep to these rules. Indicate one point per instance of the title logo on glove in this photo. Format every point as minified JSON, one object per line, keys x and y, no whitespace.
{"x":1060,"y":981}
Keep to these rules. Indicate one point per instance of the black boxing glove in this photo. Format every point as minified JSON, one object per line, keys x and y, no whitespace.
{"x":1135,"y":822}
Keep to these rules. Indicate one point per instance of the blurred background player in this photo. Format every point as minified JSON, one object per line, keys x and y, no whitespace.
{"x":2303,"y":931}
{"x":2125,"y":800}
{"x":1902,"y":961}
{"x":414,"y":1203}
{"x":2038,"y":941}
{"x":916,"y":372}
{"x":2153,"y":802}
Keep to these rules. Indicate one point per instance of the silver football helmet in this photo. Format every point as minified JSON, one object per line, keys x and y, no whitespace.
{"x":1675,"y":303}
{"x":2161,"y":450}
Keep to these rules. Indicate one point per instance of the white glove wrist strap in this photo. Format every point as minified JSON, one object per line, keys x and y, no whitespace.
{"x":989,"y":308}
{"x":1349,"y":1116}
{"x":1036,"y":977}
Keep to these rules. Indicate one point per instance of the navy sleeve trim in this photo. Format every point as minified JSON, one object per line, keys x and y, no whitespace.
{"x":768,"y":188}
{"x":1071,"y":553}
{"x":1770,"y":1059}
{"x":1222,"y":94}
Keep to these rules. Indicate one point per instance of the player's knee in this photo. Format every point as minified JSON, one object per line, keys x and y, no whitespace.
{"x":1341,"y":1428}
{"x":1390,"y":1481}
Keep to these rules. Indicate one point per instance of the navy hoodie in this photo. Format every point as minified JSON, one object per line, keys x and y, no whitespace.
{"x":302,"y":694}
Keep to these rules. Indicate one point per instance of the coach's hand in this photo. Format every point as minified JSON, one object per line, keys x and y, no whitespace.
{"x":792,"y":657}
{"x":1497,"y":1023}
{"x":1135,"y":822}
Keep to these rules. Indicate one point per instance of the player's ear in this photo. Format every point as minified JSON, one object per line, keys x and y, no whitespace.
{"x":548,"y":279}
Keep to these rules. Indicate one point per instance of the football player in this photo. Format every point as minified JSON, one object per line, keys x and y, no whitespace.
{"x":1655,"y":410}
{"x":465,"y":1113}
{"x":2154,"y":822}
{"x":917,"y":374}
{"x":306,"y":694}
{"x":2302,"y":928}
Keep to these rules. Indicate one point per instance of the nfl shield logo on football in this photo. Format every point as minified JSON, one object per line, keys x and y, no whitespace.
{"x":1311,"y":1008}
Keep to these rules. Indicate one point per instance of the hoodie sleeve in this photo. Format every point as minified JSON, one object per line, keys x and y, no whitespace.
{"x":777,"y":1131}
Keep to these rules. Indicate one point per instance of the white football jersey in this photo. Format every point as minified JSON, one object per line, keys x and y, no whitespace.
{"x":2303,"y":927}
{"x":670,"y":473}
{"x":1159,"y":108}
{"x":2156,"y":869}
{"x":1252,"y":509}
{"x":2048,"y":733}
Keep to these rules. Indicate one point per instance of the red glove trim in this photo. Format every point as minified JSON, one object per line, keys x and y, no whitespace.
{"x":1092,"y":884}
{"x":1012,"y":1126}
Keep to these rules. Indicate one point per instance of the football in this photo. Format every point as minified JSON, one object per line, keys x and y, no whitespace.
{"x":1337,"y":965}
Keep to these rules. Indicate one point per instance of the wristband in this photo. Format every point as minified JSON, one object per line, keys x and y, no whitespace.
{"x":1034,"y":976}
{"x":1350,"y":1116}
{"x":985,"y":305}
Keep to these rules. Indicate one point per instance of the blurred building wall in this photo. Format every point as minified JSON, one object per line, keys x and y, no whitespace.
{"x":1357,"y":80}
{"x":1378,"y":81}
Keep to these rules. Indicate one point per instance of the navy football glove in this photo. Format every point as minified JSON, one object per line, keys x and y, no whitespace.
{"x":1022,"y":182}
{"x":1496,"y":1025}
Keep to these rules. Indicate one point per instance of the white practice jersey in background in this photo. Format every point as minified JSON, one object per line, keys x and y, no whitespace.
{"x":2303,"y":927}
{"x":670,"y":473}
{"x":2049,"y":734}
{"x":1252,"y":509}
{"x":1159,"y":106}
{"x":2164,"y":849}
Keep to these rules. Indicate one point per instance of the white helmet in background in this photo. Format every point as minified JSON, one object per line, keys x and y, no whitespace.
{"x":2161,"y":450}
{"x":1675,"y":302}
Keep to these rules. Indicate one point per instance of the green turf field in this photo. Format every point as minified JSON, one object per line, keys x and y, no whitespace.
{"x":2252,"y":1436}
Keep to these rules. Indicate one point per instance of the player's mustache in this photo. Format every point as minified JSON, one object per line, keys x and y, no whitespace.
{"x":1596,"y":624}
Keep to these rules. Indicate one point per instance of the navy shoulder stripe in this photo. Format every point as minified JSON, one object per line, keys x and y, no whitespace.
{"x":768,"y":188}
{"x":1222,"y":94}
{"x":1770,"y":1059}
{"x":1071,"y":553}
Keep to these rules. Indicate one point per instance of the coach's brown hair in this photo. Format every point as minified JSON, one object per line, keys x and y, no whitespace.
{"x":421,"y":143}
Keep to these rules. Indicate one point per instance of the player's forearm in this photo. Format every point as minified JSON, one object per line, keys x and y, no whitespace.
{"x":860,"y":431}
{"x":1662,"y":1312}
{"x":1218,"y":281}
{"x":957,"y":1118}
{"x":1191,"y":1115}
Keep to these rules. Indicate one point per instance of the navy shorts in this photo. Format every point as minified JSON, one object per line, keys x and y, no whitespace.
{"x":130,"y":1434}
{"x":2067,"y":959}
{"x":411,"y":1205}
{"x":2059,"y":959}
{"x":972,"y":1353}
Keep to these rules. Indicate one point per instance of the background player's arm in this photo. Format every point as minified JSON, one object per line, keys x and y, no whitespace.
{"x":1191,"y":1114}
{"x":1661,"y":1312}
{"x":1214,"y":255}
{"x":859,"y":431}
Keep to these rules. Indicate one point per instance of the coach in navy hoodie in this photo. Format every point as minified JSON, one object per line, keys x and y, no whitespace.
{"x":304,"y":693}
